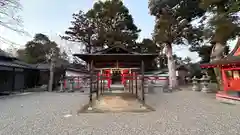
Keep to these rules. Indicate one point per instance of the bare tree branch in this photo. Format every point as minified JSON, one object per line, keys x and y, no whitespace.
{"x":9,"y":17}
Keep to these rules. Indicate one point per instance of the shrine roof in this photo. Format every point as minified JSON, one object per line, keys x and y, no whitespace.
{"x":233,"y":59}
{"x":116,"y":53}
{"x":114,"y":49}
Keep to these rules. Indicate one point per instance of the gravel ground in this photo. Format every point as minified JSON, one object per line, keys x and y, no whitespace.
{"x":177,"y":113}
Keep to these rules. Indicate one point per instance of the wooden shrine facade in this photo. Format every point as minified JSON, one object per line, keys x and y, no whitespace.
{"x":129,"y":65}
{"x":230,"y":69}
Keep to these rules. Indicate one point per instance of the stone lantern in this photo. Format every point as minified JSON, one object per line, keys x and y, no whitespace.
{"x":205,"y":83}
{"x":195,"y":84}
{"x":71,"y":85}
{"x":61,"y":86}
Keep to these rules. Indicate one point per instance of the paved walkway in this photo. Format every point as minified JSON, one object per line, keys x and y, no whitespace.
{"x":183,"y":112}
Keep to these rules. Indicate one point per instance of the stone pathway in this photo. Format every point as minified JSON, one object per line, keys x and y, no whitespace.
{"x":178,"y":113}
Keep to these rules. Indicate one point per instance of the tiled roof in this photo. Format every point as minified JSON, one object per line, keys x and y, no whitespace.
{"x":5,"y":54}
{"x":11,"y":64}
{"x":117,"y":47}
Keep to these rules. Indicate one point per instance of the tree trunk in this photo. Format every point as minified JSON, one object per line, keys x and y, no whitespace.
{"x":171,"y":68}
{"x":217,"y":54}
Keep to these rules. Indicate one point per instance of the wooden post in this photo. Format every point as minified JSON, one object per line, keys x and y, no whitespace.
{"x":136,"y":78}
{"x":132,"y":81}
{"x":143,"y":92}
{"x":91,"y":81}
{"x":101,"y":83}
{"x":13,"y":80}
{"x":129,"y":80}
{"x":78,"y":82}
{"x":98,"y":75}
{"x":129,"y":86}
{"x":224,"y":78}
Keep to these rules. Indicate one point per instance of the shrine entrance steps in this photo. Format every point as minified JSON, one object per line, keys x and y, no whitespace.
{"x":116,"y":102}
{"x":117,"y":87}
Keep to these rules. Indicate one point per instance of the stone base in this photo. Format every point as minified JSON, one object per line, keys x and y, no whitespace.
{"x":143,"y":107}
{"x":70,"y":91}
{"x":89,"y":108}
{"x":225,"y":98}
{"x":195,"y":88}
{"x":206,"y":90}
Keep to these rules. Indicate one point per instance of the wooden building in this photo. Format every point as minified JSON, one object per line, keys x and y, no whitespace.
{"x":230,"y":69}
{"x":16,"y":75}
{"x":118,"y":66}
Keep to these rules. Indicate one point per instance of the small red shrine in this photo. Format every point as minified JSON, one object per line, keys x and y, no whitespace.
{"x":124,"y":74}
{"x":230,"y":67}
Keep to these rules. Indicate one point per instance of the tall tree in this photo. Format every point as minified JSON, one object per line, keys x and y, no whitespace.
{"x":223,"y":24}
{"x":82,"y":30}
{"x":147,"y":46}
{"x":173,"y":26}
{"x":40,"y":49}
{"x":116,"y":24}
{"x":106,"y":24}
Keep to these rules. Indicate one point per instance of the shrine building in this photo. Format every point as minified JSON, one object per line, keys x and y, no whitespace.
{"x":230,"y":67}
{"x":118,"y":67}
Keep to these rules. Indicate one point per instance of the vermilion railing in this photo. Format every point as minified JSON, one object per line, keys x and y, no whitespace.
{"x":83,"y":81}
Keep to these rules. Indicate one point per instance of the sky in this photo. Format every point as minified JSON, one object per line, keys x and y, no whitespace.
{"x":52,"y":17}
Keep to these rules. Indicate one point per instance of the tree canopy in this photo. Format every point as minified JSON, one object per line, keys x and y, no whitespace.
{"x":173,"y":20}
{"x":173,"y":26}
{"x":223,"y":22}
{"x":106,"y":24}
{"x":40,"y":50}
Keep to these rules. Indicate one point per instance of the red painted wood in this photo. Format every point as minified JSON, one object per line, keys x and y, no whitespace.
{"x":231,"y":68}
{"x":225,"y":81}
{"x":230,"y":84}
{"x":233,"y":84}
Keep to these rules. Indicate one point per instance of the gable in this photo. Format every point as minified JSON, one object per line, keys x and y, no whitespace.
{"x":236,"y":50}
{"x":117,"y":50}
{"x":114,"y":50}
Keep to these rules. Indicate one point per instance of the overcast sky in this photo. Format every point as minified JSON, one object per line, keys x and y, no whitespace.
{"x":52,"y":17}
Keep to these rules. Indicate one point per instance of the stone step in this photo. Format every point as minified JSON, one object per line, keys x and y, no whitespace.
{"x":117,"y":87}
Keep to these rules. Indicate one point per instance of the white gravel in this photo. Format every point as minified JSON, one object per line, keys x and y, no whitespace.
{"x":177,"y":113}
